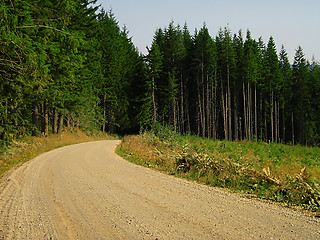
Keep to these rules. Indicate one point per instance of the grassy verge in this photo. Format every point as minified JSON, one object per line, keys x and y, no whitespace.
{"x":19,"y":151}
{"x":282,"y":173}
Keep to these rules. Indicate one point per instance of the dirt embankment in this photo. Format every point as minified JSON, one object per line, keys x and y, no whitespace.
{"x":85,"y":191}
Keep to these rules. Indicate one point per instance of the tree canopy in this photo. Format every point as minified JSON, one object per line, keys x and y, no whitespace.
{"x":227,"y":87}
{"x":64,"y":63}
{"x":68,"y":63}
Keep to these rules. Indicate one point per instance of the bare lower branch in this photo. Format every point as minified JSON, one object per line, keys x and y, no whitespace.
{"x":43,"y":26}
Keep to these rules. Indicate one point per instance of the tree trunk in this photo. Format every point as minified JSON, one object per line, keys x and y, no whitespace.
{"x":60,"y":123}
{"x":278,"y":123}
{"x":272,"y":117}
{"x":200,"y":115}
{"x":187,"y":116}
{"x":235,"y":117}
{"x":265,"y":124}
{"x":214,"y":101}
{"x":240,"y":129}
{"x":225,"y":125}
{"x":249,"y":111}
{"x":182,"y":119}
{"x":229,"y":112}
{"x":255,"y":112}
{"x":174,"y":113}
{"x":203,"y":103}
{"x":292,"y":128}
{"x":55,"y":121}
{"x":208,"y":108}
{"x":283,"y":125}
{"x":35,"y":120}
{"x":104,"y":113}
{"x":45,"y":118}
{"x":261,"y":117}
{"x":154,"y":106}
{"x":245,"y":111}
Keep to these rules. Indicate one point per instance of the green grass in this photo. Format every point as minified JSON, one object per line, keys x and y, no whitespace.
{"x":278,"y":172}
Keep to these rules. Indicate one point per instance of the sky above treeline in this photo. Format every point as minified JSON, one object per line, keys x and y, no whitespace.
{"x":292,"y":23}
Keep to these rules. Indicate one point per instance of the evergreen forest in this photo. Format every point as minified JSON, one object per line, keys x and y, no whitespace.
{"x":69,"y":64}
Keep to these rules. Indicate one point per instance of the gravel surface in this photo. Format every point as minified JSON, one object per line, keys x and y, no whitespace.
{"x":86,"y":191}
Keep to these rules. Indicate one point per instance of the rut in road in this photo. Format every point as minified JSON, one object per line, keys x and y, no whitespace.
{"x":86,"y":191}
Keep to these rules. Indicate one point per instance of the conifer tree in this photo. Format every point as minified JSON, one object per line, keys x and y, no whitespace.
{"x":272,"y":87}
{"x":154,"y":64}
{"x":285,"y":95}
{"x":300,"y":72}
{"x":204,"y":57}
{"x":226,"y":64}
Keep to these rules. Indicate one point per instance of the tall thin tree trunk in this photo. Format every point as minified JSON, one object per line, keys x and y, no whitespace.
{"x":154,"y":115}
{"x":292,"y":126}
{"x":182,"y":105}
{"x":208,"y":108}
{"x":203,"y":102}
{"x":45,"y":118}
{"x":60,"y":123}
{"x":200,"y":115}
{"x":265,"y":123}
{"x":203,"y":112}
{"x":174,"y":113}
{"x":245,"y":111}
{"x":55,"y":121}
{"x":68,"y":117}
{"x":214,"y":118}
{"x":187,"y":116}
{"x":224,"y":108}
{"x":229,"y":106}
{"x":104,"y":113}
{"x":235,"y":117}
{"x":283,"y":125}
{"x":279,"y":130}
{"x":261,"y":118}
{"x":272,"y":117}
{"x":255,"y":112}
{"x":249,"y":111}
{"x":277,"y":121}
{"x":35,"y":120}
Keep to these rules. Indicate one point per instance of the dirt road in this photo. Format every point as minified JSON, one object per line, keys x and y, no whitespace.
{"x":85,"y":191}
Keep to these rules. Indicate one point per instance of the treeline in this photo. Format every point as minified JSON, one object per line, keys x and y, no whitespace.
{"x":68,"y":63}
{"x":231,"y":87}
{"x":64,"y":63}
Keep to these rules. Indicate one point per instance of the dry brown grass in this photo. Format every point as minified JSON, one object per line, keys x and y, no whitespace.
{"x":136,"y":149}
{"x":20,"y":151}
{"x":271,"y":171}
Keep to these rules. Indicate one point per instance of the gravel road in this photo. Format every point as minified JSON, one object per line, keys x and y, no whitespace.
{"x":86,"y":191}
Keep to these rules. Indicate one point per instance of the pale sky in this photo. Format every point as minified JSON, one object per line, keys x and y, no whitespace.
{"x":290,"y":22}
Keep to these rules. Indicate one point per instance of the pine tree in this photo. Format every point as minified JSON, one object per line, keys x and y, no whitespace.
{"x":204,"y":57}
{"x":272,"y":87}
{"x":250,"y":87}
{"x":313,"y":121}
{"x":154,"y":64}
{"x":240,"y":78}
{"x":226,"y":64}
{"x":285,"y":94}
{"x":300,"y":72}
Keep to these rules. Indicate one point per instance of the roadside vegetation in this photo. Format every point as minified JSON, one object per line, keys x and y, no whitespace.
{"x":70,"y":65}
{"x":19,"y":151}
{"x":278,"y":172}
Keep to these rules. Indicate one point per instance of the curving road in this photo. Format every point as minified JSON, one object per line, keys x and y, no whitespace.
{"x":86,"y":191}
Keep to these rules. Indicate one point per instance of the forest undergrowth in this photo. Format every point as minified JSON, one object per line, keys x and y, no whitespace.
{"x":272,"y":171}
{"x":18,"y":151}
